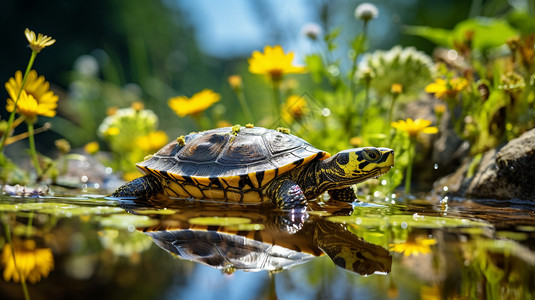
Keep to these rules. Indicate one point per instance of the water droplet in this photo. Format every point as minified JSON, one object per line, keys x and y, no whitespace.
{"x":131,"y":228}
{"x":109,"y":170}
{"x":84,"y":178}
{"x":376,"y":194}
{"x":383,"y":182}
{"x":359,"y":221}
{"x":326,"y":112}
{"x":445,"y":188}
{"x":393,"y":201}
{"x":393,"y":196}
{"x":452,"y":55}
{"x":435,"y":166}
{"x":333,"y":70}
{"x":96,"y":185}
{"x":404,"y":225}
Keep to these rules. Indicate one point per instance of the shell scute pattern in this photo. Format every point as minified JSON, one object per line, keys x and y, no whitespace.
{"x":217,"y":162}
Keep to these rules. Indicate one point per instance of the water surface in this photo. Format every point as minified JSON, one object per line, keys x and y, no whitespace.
{"x":377,"y":249}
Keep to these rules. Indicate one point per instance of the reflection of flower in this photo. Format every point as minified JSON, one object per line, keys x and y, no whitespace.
{"x":414,"y":246}
{"x":446,"y":89}
{"x":35,"y":99}
{"x":199,"y":102}
{"x":273,"y":62}
{"x":32,"y":264}
{"x":294,"y":108}
{"x":37,"y":43}
{"x":152,"y":141}
{"x":413,"y":128}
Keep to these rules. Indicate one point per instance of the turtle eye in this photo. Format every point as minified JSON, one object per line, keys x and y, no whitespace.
{"x":372,"y":155}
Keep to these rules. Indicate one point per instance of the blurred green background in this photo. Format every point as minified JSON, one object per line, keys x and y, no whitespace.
{"x":160,"y":49}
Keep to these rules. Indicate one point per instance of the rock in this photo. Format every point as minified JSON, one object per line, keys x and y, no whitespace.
{"x":505,"y":173}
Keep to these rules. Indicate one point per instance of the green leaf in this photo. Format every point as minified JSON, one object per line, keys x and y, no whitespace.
{"x":488,"y":33}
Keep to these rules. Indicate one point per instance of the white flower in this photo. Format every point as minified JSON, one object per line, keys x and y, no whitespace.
{"x":366,"y":11}
{"x":311,"y":30}
{"x":408,"y":67}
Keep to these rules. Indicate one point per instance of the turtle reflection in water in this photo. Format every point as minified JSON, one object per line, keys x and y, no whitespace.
{"x":250,"y":165}
{"x":262,"y":244}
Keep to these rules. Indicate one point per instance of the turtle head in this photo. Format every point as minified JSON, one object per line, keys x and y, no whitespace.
{"x":356,"y":165}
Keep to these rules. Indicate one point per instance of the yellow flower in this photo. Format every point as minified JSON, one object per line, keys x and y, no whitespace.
{"x":396,"y":88}
{"x":152,"y":142}
{"x":294,"y":108}
{"x":33,"y":264}
{"x":35,"y":99}
{"x":112,"y":131}
{"x":37,"y":43}
{"x":223,"y":123}
{"x":199,"y":102}
{"x":137,"y":105}
{"x":273,"y":62}
{"x":414,"y":246}
{"x":235,"y":82}
{"x":91,"y":147}
{"x":446,"y":89}
{"x":110,"y":111}
{"x":413,"y":128}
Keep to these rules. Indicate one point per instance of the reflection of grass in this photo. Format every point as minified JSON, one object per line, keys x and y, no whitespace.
{"x":414,"y":221}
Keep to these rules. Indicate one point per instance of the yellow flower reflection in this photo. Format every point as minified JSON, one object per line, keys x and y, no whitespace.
{"x":35,"y":99}
{"x":33,"y":263}
{"x":39,"y":42}
{"x":198,"y":103}
{"x":414,"y":246}
{"x":294,"y":108}
{"x":414,"y":128}
{"x":446,"y":89}
{"x":273,"y":62}
{"x":152,"y":142}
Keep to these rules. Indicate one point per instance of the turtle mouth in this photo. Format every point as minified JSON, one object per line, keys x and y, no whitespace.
{"x":383,"y":170}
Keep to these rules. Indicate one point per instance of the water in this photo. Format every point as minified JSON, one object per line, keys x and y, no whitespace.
{"x":92,"y":248}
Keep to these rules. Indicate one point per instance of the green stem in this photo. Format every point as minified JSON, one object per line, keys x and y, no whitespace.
{"x":408,"y":173}
{"x":245,"y":106}
{"x":366,"y":103}
{"x":33,"y":153}
{"x":29,"y":225}
{"x":277,"y":98}
{"x":391,"y":110}
{"x":10,"y":242}
{"x":12,"y":115}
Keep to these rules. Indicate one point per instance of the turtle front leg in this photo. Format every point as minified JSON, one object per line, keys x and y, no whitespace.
{"x":142,"y":187}
{"x":287,"y":194}
{"x":346,"y":194}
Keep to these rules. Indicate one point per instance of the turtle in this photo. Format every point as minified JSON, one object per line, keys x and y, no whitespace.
{"x":252,"y":165}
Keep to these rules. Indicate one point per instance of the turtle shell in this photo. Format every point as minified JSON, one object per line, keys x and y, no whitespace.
{"x":228,"y":163}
